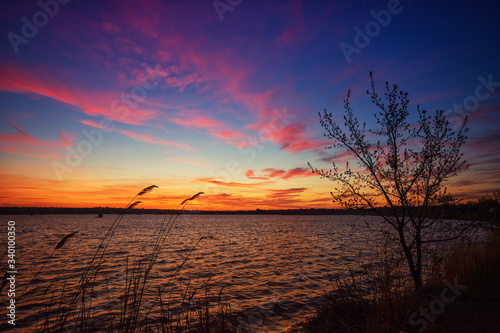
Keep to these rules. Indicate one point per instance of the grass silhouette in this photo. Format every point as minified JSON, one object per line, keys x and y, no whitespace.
{"x":76,"y":308}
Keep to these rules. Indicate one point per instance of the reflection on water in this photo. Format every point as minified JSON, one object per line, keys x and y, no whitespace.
{"x":270,"y":267}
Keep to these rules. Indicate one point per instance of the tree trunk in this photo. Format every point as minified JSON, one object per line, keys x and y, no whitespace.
{"x":415,"y":272}
{"x":418,"y":278}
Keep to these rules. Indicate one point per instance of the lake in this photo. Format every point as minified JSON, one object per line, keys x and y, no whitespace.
{"x":272,"y":268}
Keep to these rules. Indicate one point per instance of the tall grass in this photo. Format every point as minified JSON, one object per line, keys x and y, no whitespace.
{"x":469,"y":261}
{"x":61,"y":243}
{"x":75,"y":308}
{"x":382,"y":299}
{"x":374,"y":299}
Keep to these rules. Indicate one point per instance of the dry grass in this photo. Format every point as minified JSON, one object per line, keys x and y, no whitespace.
{"x":74,"y":309}
{"x":374,"y":300}
{"x":381,"y":299}
{"x":471,"y":262}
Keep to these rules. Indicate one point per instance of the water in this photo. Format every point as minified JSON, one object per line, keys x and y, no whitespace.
{"x":271,"y":268}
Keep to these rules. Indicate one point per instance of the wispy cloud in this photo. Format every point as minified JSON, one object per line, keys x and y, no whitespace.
{"x":251,"y":175}
{"x":234,"y":184}
{"x":39,"y":81}
{"x":278,"y":173}
{"x":193,"y":119}
{"x":142,"y":137}
{"x":153,"y":140}
{"x":23,"y":143}
{"x":287,"y":193}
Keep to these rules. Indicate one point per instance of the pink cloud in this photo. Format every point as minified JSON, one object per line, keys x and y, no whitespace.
{"x":153,"y":140}
{"x":142,"y":137}
{"x":274,"y":198}
{"x":340,"y":156}
{"x":277,"y":173}
{"x":25,"y":144}
{"x":67,"y":138}
{"x":224,"y":74}
{"x":294,"y":139}
{"x":19,"y":79}
{"x":93,"y":124}
{"x":195,"y":119}
{"x":271,"y":201}
{"x":228,"y":135}
{"x":193,"y":63}
{"x":296,"y":26}
{"x":297,"y":172}
{"x":286,"y":129}
{"x":41,"y":82}
{"x":250,"y":175}
{"x":484,"y":116}
{"x":291,"y":192}
{"x":235,"y":184}
{"x":183,"y":82}
{"x":13,"y":124}
{"x":271,"y":173}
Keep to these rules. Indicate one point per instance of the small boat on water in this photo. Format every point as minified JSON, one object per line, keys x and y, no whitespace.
{"x":99,"y":215}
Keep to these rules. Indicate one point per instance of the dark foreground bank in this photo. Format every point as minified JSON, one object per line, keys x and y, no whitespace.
{"x":461,"y":295}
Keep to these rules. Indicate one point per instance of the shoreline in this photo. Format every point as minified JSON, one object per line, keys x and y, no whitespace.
{"x":461,"y":295}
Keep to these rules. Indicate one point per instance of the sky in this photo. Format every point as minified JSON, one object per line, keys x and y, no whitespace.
{"x":99,"y":99}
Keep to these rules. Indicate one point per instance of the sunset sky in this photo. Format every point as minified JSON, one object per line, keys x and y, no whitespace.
{"x":99,"y":99}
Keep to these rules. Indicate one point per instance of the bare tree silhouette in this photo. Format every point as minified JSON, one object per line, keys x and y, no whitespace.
{"x":401,"y":166}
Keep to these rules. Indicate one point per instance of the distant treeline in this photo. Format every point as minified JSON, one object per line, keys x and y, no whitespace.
{"x":108,"y":210}
{"x":485,"y":209}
